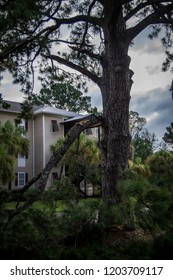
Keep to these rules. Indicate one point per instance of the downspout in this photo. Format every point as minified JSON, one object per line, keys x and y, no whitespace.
{"x":43,"y":128}
{"x":33,"y":148}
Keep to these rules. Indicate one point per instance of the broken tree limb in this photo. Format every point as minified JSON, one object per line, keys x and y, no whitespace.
{"x":42,"y":178}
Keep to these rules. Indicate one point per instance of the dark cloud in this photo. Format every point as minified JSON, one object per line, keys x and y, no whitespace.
{"x":157,"y":106}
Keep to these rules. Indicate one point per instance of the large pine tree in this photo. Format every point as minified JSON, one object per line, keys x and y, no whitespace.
{"x":91,"y":37}
{"x":168,"y":136}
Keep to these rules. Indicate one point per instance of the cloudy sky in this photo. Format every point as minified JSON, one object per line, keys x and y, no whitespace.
{"x":150,"y":95}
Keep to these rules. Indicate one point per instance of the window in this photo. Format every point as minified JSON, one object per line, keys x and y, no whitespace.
{"x":88,"y":131}
{"x":23,"y":124}
{"x":97,"y":133}
{"x":21,"y":160}
{"x":54,"y":176}
{"x":55,"y":127}
{"x":21,"y":179}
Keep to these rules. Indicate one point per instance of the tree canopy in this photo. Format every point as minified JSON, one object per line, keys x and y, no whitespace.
{"x":136,"y":124}
{"x":92,"y":38}
{"x":63,"y":96}
{"x":25,"y":32}
{"x":11,"y":144}
{"x":168,"y":136}
{"x":82,"y":160}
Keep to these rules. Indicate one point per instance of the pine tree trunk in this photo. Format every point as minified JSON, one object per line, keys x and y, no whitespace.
{"x":115,"y":87}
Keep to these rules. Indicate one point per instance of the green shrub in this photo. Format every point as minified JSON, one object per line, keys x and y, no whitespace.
{"x":31,"y":235}
{"x":161,"y":166}
{"x":4,"y":197}
{"x":146,"y":205}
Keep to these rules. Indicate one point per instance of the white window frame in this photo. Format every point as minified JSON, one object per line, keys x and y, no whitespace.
{"x":22,"y":124}
{"x":88,"y":131}
{"x":21,"y":160}
{"x":19,"y":179}
{"x":96,"y":133}
{"x":55,"y":126}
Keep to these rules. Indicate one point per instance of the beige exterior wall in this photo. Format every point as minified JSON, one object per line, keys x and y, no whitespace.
{"x":44,"y":138}
{"x":50,"y":136}
{"x":28,"y":168}
{"x":41,"y":137}
{"x":7,"y":116}
{"x":38,"y":141}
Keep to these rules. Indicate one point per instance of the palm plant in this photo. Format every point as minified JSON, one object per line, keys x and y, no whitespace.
{"x":82,"y":160}
{"x":11,"y":144}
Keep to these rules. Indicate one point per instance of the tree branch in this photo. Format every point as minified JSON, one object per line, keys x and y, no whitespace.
{"x":87,"y":52}
{"x":162,"y":10}
{"x":48,"y":30}
{"x":74,"y":66}
{"x":153,"y":18}
{"x":70,"y":42}
{"x":80,"y":18}
{"x":18,"y":46}
{"x":141,"y":6}
{"x":86,"y":26}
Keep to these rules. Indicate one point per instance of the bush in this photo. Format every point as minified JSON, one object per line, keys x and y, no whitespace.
{"x":4,"y":197}
{"x":145,"y":204}
{"x":161,"y":166}
{"x":30,"y":235}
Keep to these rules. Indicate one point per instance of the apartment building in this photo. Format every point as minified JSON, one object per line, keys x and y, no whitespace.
{"x":46,"y":126}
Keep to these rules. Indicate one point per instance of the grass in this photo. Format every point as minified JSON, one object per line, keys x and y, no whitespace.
{"x":12,"y":204}
{"x":38,"y":205}
{"x":59,"y":204}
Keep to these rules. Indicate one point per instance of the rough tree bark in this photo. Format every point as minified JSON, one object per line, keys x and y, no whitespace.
{"x":115,"y":88}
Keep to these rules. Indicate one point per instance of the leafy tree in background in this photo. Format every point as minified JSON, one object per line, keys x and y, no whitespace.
{"x":63,"y":96}
{"x":82,"y":160}
{"x":91,"y":37}
{"x":136,"y":124}
{"x":144,"y":144}
{"x":56,"y":92}
{"x":11,"y":144}
{"x":161,"y":165}
{"x":168,"y":136}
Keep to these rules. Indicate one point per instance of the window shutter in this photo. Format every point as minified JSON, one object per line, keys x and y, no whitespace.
{"x":17,"y":122}
{"x":16,"y":179}
{"x":88,"y":131}
{"x":26,"y":178}
{"x":26,"y":125}
{"x":55,"y":176}
{"x":55,"y":127}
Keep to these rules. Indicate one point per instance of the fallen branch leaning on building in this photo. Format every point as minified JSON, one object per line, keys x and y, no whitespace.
{"x":42,"y":177}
